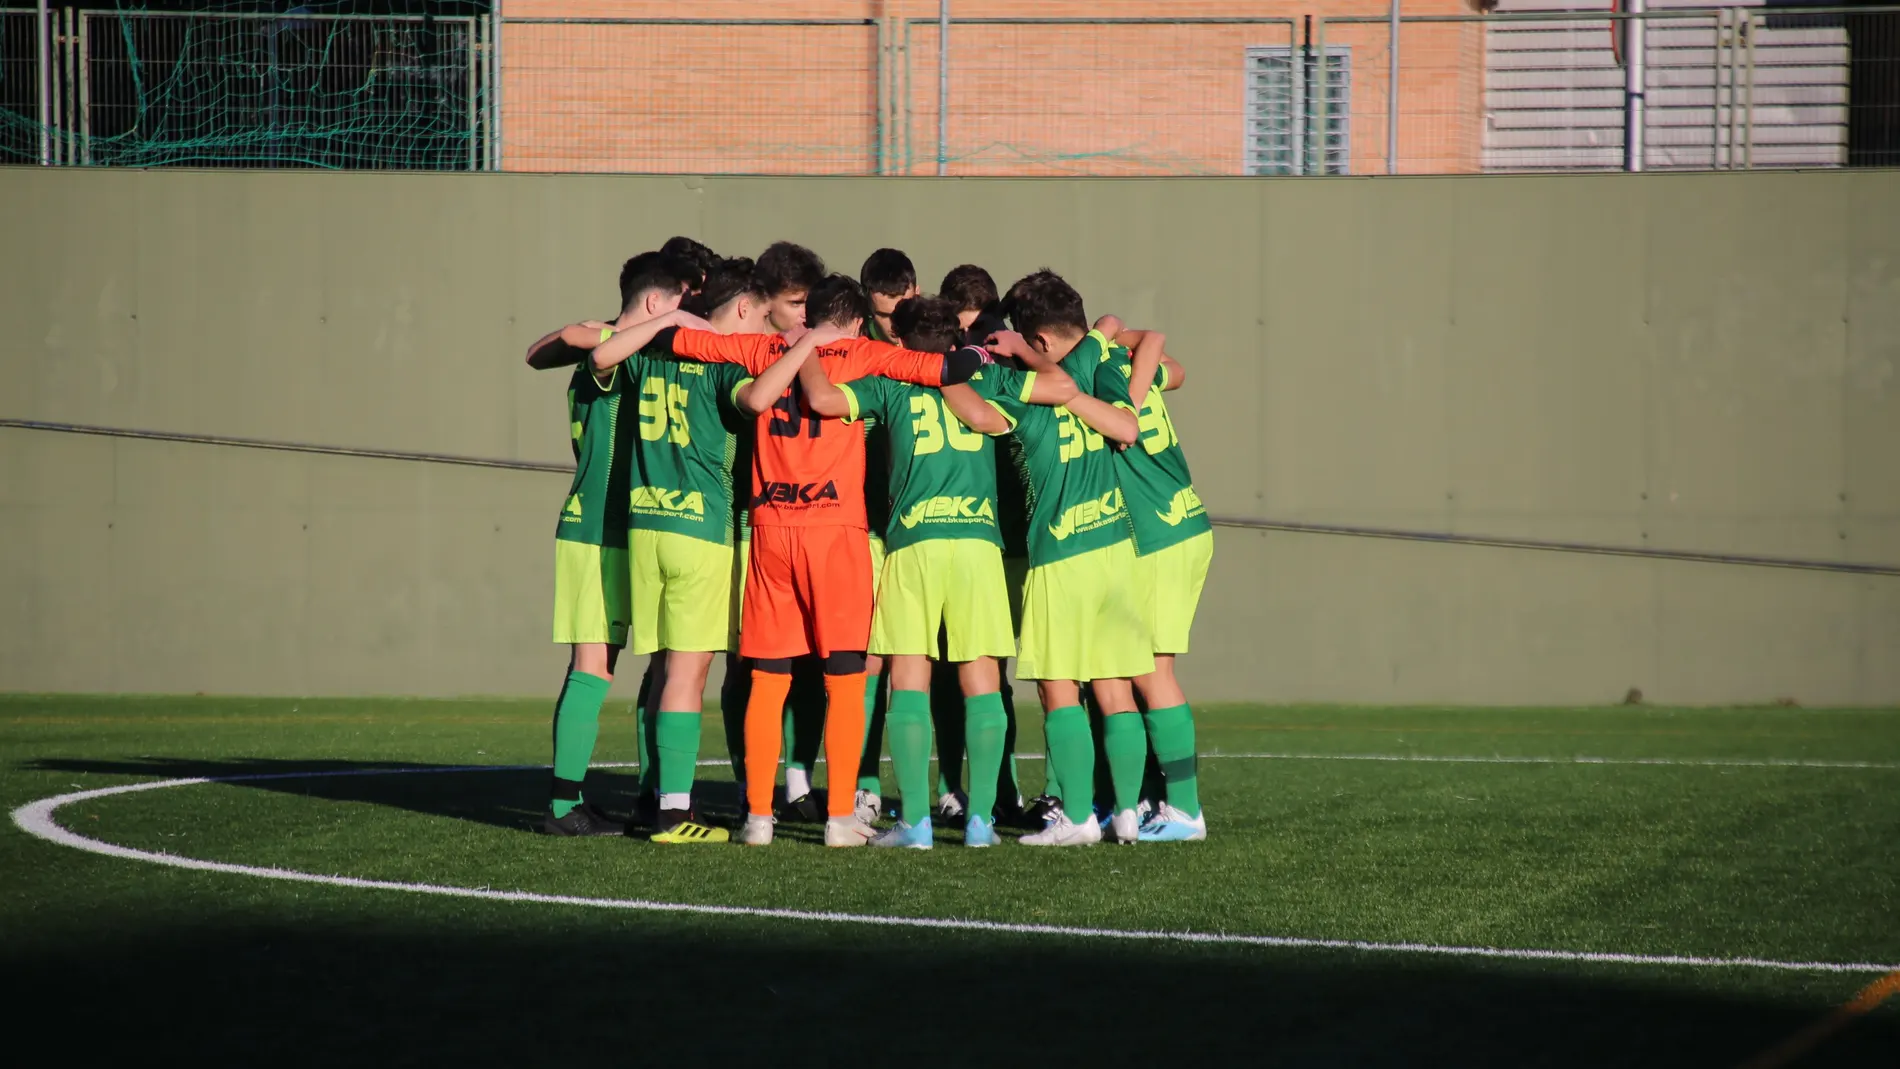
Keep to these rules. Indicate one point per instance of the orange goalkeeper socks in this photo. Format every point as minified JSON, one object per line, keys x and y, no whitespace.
{"x":764,"y":730}
{"x":844,"y":740}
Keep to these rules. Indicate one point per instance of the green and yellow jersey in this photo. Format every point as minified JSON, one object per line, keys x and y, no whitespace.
{"x":1163,"y":509}
{"x":1074,"y":499}
{"x":942,"y":480}
{"x":686,"y":445}
{"x":594,"y":512}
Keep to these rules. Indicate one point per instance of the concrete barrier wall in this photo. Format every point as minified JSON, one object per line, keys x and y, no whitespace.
{"x":1688,"y":362}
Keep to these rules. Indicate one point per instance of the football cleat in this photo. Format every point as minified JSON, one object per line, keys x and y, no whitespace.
{"x":979,"y":832}
{"x":757,"y":830}
{"x":1170,"y":825}
{"x":847,"y":831}
{"x":916,"y":836}
{"x":952,"y":805}
{"x":804,"y":809}
{"x":1065,"y":832}
{"x":582,"y":820}
{"x":682,"y":826}
{"x":1124,"y":827}
{"x":1040,"y":808}
{"x":869,"y":806}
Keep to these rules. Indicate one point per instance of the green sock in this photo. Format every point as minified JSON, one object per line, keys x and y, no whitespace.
{"x":576,"y":725}
{"x":676,"y":740}
{"x":1072,"y":757}
{"x":874,"y":710}
{"x":984,"y":724}
{"x":908,"y":727}
{"x":1127,"y":747}
{"x":1172,"y":733}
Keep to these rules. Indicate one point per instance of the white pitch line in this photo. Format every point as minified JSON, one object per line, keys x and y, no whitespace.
{"x":36,"y":819}
{"x":1579,"y":759}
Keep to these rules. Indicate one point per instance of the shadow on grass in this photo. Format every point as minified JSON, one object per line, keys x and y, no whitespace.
{"x":505,"y":987}
{"x":504,"y":797}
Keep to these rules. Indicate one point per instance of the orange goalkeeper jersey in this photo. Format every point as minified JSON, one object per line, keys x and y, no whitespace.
{"x":809,"y":470}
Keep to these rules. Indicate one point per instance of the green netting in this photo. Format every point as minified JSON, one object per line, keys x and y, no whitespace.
{"x":229,"y":85}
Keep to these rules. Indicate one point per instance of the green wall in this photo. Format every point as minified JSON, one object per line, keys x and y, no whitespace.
{"x":1693,"y":362}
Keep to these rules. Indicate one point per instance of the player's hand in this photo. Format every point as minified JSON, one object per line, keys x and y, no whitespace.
{"x":595,"y":324}
{"x":1110,"y":326}
{"x":680,"y":317}
{"x":1007,"y":343}
{"x":793,"y":335}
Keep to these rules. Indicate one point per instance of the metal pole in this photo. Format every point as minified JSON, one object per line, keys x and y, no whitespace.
{"x":1735,"y":84}
{"x":1391,"y":98}
{"x":45,"y":52}
{"x":1715,"y":91}
{"x":494,"y":88}
{"x":1748,"y":100}
{"x":943,"y":87}
{"x":1636,"y":78}
{"x":473,"y":45}
{"x":85,"y":92}
{"x":1317,"y":162}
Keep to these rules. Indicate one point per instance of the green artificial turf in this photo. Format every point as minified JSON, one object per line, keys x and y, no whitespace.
{"x":1786,"y":863}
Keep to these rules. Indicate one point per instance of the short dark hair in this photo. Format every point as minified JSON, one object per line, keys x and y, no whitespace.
{"x":969,"y":287}
{"x":651,"y":271}
{"x":836,"y":299}
{"x":685,"y":249}
{"x":726,"y":280}
{"x":888,"y":272}
{"x":784,"y":266}
{"x":927,"y":324}
{"x":1044,"y":301}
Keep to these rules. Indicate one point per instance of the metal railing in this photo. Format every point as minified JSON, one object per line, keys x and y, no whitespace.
{"x":1714,"y":87}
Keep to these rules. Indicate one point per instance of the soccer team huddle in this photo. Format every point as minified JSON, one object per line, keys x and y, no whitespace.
{"x":869,"y":500}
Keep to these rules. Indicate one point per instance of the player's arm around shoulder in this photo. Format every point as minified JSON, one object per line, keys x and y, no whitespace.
{"x":616,"y":349}
{"x":772,"y":382}
{"x":569,"y":345}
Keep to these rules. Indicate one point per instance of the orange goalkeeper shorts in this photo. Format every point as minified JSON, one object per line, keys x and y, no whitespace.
{"x":807,"y":590}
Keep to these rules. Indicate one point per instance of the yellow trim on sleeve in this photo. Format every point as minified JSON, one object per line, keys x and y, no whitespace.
{"x":1029,"y":384}
{"x":736,"y":387}
{"x":1165,"y":376}
{"x":606,"y":332}
{"x":1011,"y":420}
{"x":850,"y":395}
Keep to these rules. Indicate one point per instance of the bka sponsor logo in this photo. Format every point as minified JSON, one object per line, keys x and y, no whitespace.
{"x":949,"y":509}
{"x":775,"y":493}
{"x":660,"y":499}
{"x":1088,"y":515}
{"x":1186,"y":503}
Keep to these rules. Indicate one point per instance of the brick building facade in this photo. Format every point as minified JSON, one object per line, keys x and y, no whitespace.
{"x":851,"y":87}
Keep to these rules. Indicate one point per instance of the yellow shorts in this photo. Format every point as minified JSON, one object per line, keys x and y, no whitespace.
{"x":681,"y":592}
{"x":953,"y":583}
{"x":1169,"y":582}
{"x":1082,"y":619}
{"x":877,"y":560}
{"x":591,"y":595}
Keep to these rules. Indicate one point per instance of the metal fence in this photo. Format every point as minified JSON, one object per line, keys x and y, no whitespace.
{"x":1707,"y":88}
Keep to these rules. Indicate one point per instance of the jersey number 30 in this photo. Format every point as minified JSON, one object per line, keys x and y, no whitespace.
{"x":931,"y":428}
